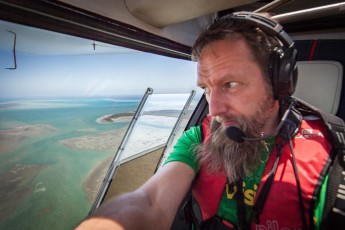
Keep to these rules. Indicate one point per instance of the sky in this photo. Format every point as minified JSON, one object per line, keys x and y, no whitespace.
{"x":54,"y":65}
{"x":93,"y":75}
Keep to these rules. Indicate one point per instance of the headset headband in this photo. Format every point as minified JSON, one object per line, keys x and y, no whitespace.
{"x":272,"y":28}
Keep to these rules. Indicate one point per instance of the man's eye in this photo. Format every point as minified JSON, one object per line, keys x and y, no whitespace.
{"x":231,"y":84}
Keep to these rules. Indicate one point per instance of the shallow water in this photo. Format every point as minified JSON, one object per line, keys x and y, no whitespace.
{"x":41,"y":178}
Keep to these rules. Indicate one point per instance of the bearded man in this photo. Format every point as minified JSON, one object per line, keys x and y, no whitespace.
{"x":235,"y":70}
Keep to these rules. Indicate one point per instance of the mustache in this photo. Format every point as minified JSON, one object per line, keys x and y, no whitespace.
{"x":240,"y":121}
{"x":229,"y":118}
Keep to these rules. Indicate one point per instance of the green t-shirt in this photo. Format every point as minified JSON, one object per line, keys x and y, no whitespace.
{"x":184,"y":148}
{"x":184,"y":152}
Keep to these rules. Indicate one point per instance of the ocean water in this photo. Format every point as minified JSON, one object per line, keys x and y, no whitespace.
{"x":41,"y":179}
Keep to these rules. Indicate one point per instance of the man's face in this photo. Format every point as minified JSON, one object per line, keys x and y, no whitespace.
{"x":234,"y":84}
{"x":238,"y":95}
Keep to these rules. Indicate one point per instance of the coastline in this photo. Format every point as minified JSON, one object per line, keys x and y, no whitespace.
{"x":115,"y":118}
{"x":94,"y":179}
{"x":128,"y":116}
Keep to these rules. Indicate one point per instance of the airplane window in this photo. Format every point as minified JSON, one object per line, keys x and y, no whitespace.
{"x":63,"y":113}
{"x":158,"y":118}
{"x":158,"y":122}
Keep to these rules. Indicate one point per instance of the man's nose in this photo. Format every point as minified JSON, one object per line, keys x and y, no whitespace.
{"x":217,"y":104}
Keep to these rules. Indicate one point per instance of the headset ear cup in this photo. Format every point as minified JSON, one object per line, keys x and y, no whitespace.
{"x":294,"y":79}
{"x":285,"y":78}
{"x":284,"y":72}
{"x":274,"y":72}
{"x":294,"y":71}
{"x":288,"y":73}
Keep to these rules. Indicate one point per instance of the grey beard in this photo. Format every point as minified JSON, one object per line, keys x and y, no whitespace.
{"x":222,"y":155}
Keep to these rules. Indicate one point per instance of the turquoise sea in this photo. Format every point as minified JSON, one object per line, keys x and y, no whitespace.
{"x":41,"y":185}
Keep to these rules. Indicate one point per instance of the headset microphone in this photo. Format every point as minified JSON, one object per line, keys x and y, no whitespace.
{"x":234,"y":133}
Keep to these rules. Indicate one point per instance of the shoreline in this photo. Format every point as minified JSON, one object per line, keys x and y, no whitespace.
{"x":115,"y":118}
{"x":94,"y":179}
{"x":128,"y":116}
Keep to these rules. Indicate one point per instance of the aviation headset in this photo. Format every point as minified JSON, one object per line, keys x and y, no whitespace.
{"x":282,"y":62}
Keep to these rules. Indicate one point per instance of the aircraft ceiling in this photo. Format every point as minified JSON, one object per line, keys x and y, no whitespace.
{"x":37,"y":41}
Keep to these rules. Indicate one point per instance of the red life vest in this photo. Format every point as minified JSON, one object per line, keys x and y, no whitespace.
{"x":281,"y":209}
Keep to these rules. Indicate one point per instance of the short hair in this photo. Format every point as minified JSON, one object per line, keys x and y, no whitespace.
{"x":260,"y":43}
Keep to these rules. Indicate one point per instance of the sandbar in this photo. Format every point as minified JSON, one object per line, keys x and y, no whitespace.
{"x":100,"y":141}
{"x":15,"y":187}
{"x":115,"y":118}
{"x":13,"y":138}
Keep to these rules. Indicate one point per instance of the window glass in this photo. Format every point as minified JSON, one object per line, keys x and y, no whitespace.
{"x":57,"y":136}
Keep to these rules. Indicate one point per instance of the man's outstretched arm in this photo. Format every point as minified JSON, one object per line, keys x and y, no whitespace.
{"x":152,"y":206}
